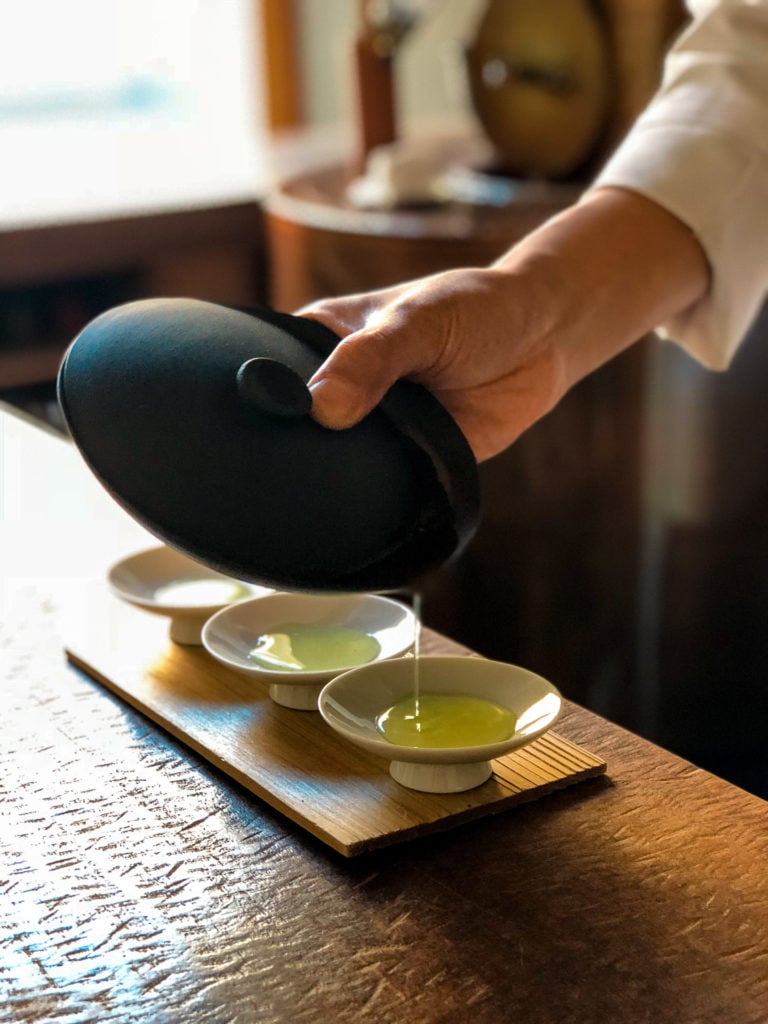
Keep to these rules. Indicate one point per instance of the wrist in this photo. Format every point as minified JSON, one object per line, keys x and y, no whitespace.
{"x":605,"y":272}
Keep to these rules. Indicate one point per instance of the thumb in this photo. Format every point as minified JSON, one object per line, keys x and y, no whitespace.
{"x":355,"y":377}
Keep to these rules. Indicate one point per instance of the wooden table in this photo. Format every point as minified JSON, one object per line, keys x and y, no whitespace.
{"x":139,"y":884}
{"x":320,"y":244}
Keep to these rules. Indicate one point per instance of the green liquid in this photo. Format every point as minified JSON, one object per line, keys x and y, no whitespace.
{"x":445,"y":720}
{"x":191,"y":593}
{"x":300,"y":647}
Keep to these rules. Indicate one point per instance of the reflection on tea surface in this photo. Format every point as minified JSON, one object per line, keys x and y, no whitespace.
{"x":305,"y":647}
{"x":445,"y":720}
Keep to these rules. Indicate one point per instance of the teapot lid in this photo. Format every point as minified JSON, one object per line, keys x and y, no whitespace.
{"x":195,"y":417}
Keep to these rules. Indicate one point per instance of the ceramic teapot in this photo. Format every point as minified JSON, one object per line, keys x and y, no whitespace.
{"x":195,"y":417}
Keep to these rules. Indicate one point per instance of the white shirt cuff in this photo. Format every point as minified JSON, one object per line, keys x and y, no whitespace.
{"x":700,"y":150}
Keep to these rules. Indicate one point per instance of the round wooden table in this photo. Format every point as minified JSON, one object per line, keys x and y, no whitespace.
{"x":320,"y":244}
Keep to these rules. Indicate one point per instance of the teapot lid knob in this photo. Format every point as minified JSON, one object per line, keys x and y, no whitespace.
{"x":273,"y":387}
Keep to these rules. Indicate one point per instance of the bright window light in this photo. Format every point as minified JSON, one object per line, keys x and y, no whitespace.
{"x":128,"y":104}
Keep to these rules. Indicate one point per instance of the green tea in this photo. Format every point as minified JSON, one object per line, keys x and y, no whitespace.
{"x":445,"y":720}
{"x":303,"y":647}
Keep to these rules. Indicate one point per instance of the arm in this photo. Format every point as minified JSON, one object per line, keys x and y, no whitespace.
{"x":673,"y":233}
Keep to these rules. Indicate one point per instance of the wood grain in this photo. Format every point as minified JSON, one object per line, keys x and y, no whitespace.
{"x":291,"y":759}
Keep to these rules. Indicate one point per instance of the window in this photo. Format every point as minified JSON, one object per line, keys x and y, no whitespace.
{"x":134,"y":104}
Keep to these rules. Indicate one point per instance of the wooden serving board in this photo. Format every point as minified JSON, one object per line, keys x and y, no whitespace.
{"x":291,"y":759}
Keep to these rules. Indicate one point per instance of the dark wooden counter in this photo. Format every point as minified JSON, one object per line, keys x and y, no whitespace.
{"x":207,"y":252}
{"x":138,"y":884}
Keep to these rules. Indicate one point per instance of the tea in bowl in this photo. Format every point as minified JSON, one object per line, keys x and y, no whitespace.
{"x":298,"y":642}
{"x":165,"y":582}
{"x":440,"y":721}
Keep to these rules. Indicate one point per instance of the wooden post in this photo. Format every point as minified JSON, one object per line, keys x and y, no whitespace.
{"x":376,"y":118}
{"x":279,"y":19}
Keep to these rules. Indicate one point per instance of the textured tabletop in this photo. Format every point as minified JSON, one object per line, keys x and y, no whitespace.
{"x":139,"y":884}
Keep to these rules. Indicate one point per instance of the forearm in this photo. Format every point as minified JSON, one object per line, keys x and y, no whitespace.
{"x":607,"y":271}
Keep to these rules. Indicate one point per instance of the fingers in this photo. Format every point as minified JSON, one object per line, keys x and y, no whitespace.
{"x":374,"y":353}
{"x":355,"y":377}
{"x":393,"y":333}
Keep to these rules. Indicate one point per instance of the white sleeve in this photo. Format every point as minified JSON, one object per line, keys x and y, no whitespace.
{"x":700,"y":150}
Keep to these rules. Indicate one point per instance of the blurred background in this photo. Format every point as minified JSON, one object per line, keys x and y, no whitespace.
{"x":251,"y":151}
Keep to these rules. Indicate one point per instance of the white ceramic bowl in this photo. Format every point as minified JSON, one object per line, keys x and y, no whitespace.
{"x":231,"y":635}
{"x":165,"y":582}
{"x":351,"y":703}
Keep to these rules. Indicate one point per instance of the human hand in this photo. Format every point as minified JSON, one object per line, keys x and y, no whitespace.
{"x":477,"y":338}
{"x":500,"y":346}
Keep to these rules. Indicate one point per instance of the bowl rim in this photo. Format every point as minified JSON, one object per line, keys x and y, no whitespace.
{"x":197,"y":569}
{"x":301,"y":677}
{"x":437,"y":755}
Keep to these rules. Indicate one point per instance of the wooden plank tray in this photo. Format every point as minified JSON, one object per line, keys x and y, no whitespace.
{"x":291,"y":759}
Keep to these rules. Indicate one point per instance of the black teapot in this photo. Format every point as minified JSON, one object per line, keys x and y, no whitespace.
{"x":195,"y":417}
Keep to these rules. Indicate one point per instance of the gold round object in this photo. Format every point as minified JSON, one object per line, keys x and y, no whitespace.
{"x":539,"y":74}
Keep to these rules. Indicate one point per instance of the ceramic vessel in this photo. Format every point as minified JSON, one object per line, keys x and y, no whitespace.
{"x":165,"y":582}
{"x":352,"y":702}
{"x":231,"y":635}
{"x":196,"y":418}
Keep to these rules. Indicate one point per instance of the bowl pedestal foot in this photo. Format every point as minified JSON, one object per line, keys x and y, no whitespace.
{"x":440,"y":778}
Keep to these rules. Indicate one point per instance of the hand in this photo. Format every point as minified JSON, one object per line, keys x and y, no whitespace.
{"x":476,"y":338}
{"x":500,"y":346}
